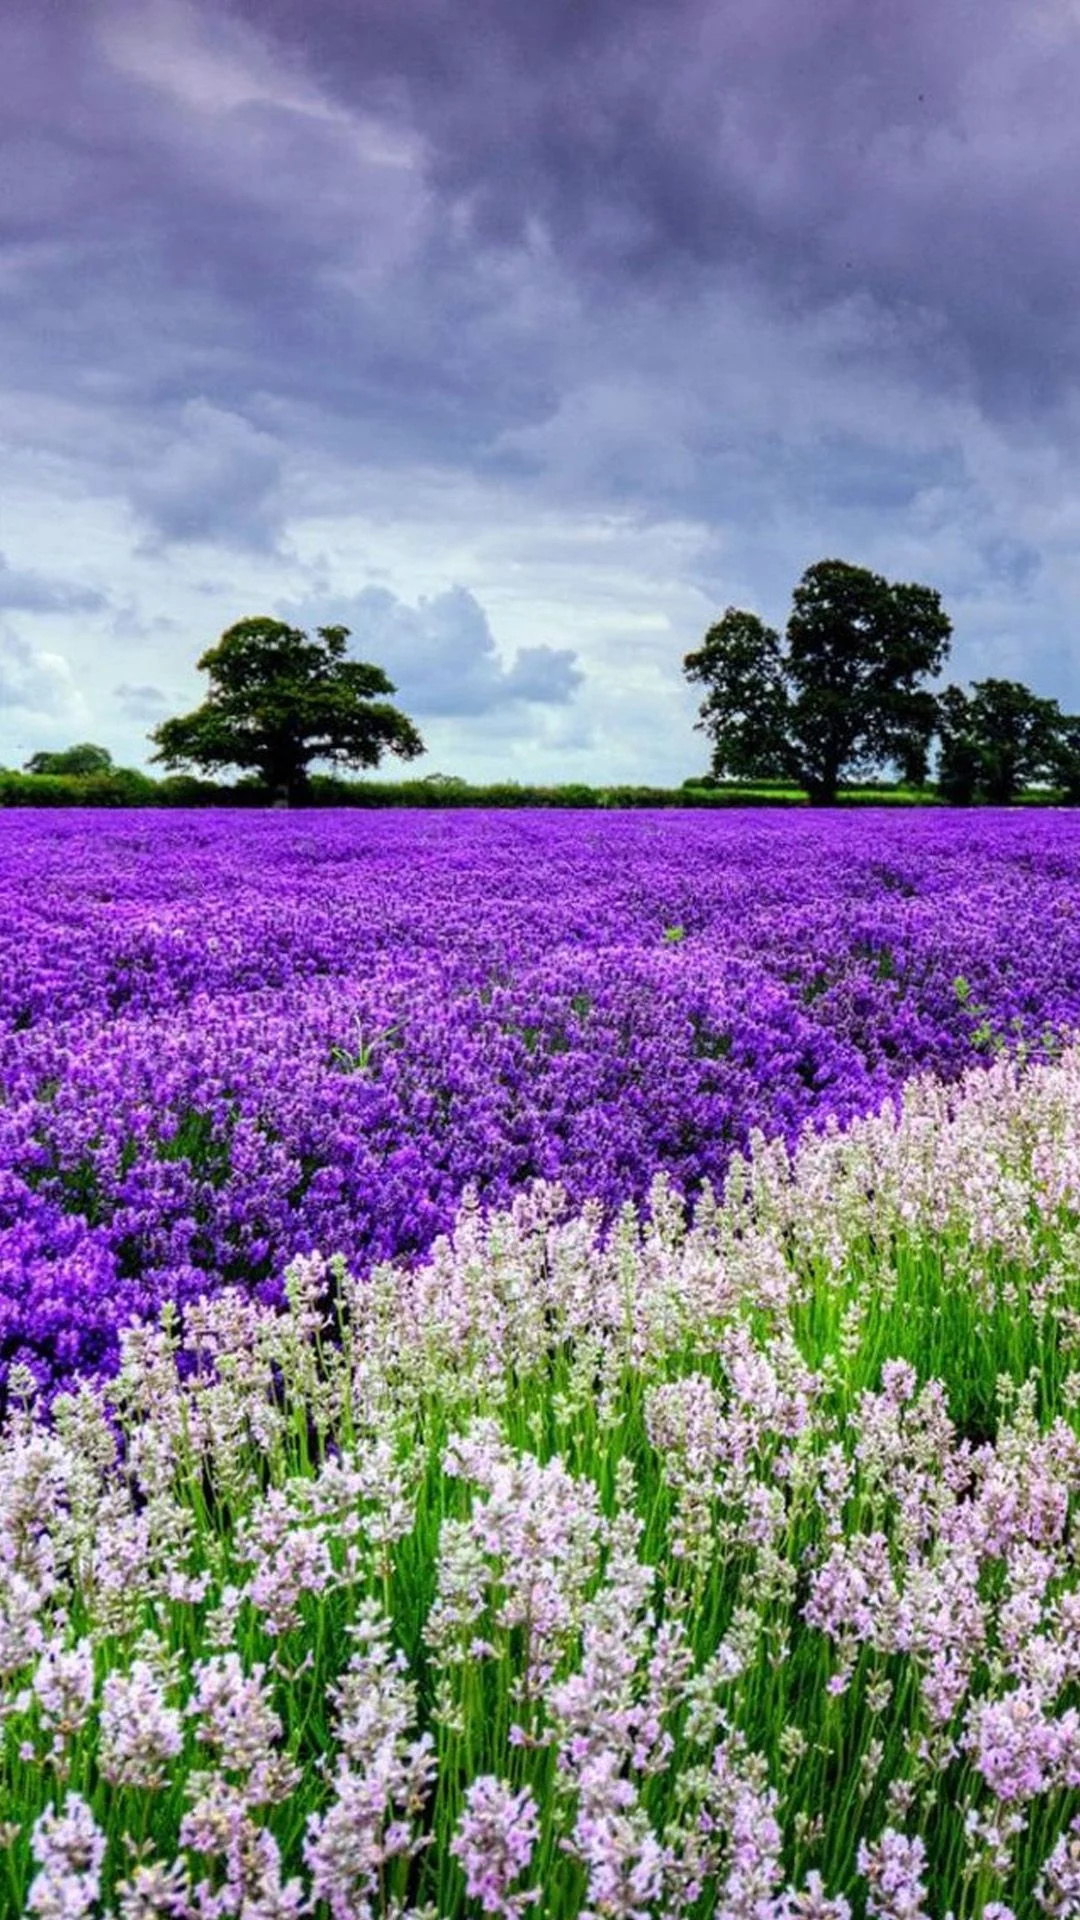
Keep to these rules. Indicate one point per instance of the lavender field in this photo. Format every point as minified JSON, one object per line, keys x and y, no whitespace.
{"x":227,"y":1041}
{"x":617,"y":1451}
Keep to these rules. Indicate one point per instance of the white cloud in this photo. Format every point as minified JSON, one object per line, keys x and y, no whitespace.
{"x":40,"y":704}
{"x":142,"y":701}
{"x":34,"y":680}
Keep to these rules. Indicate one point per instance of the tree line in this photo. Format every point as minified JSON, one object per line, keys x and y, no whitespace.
{"x":845,"y":692}
{"x":842,"y":695}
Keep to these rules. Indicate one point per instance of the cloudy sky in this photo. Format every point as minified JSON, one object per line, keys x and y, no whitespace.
{"x":522,"y":337}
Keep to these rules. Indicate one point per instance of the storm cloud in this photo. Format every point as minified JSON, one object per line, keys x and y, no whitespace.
{"x":535,"y":336}
{"x":441,"y":654}
{"x":31,"y":592}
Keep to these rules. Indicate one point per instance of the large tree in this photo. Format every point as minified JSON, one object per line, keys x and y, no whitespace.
{"x":996,"y":740}
{"x":747,"y":706}
{"x":279,"y":701}
{"x":844,"y":693}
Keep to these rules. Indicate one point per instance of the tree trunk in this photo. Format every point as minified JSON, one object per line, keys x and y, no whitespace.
{"x":287,"y":779}
{"x":822,"y":790}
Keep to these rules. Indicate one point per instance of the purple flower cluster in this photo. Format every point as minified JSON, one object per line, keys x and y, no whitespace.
{"x":228,"y":1040}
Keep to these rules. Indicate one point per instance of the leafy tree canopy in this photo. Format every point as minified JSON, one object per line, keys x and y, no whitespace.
{"x":840,"y":696}
{"x":78,"y":762}
{"x":747,"y":703}
{"x":279,"y":701}
{"x":997,"y":740}
{"x":1064,"y":764}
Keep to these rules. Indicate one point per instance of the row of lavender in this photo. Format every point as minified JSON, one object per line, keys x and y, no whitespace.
{"x":226,"y":1041}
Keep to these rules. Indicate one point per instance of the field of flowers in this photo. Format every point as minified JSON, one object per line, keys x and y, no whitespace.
{"x":541,"y":1366}
{"x":226,"y":1041}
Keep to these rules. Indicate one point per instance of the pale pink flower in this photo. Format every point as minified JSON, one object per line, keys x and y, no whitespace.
{"x":1015,"y":1746}
{"x":346,"y":1847}
{"x":893,"y":1868}
{"x":140,"y":1733}
{"x":232,"y":1711}
{"x":494,"y":1842}
{"x":69,"y":1848}
{"x":64,"y":1689}
{"x":154,"y":1891}
{"x":813,"y":1903}
{"x":1058,"y":1889}
{"x":614,"y":1841}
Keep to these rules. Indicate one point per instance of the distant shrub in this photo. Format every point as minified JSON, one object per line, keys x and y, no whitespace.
{"x":77,"y":762}
{"x":37,"y":790}
{"x":888,"y":797}
{"x":128,"y":787}
{"x":119,"y":787}
{"x":188,"y":790}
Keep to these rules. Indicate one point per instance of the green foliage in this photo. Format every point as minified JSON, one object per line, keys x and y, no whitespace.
{"x":359,"y":1056}
{"x":998,"y":739}
{"x":1064,"y":759}
{"x":72,"y":762}
{"x":843,"y":696}
{"x":447,"y":783}
{"x":959,"y":760}
{"x":187,"y":790}
{"x":279,"y":701}
{"x":857,"y":649}
{"x":126,"y":787}
{"x":747,"y":708}
{"x":119,"y":787}
{"x":39,"y":790}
